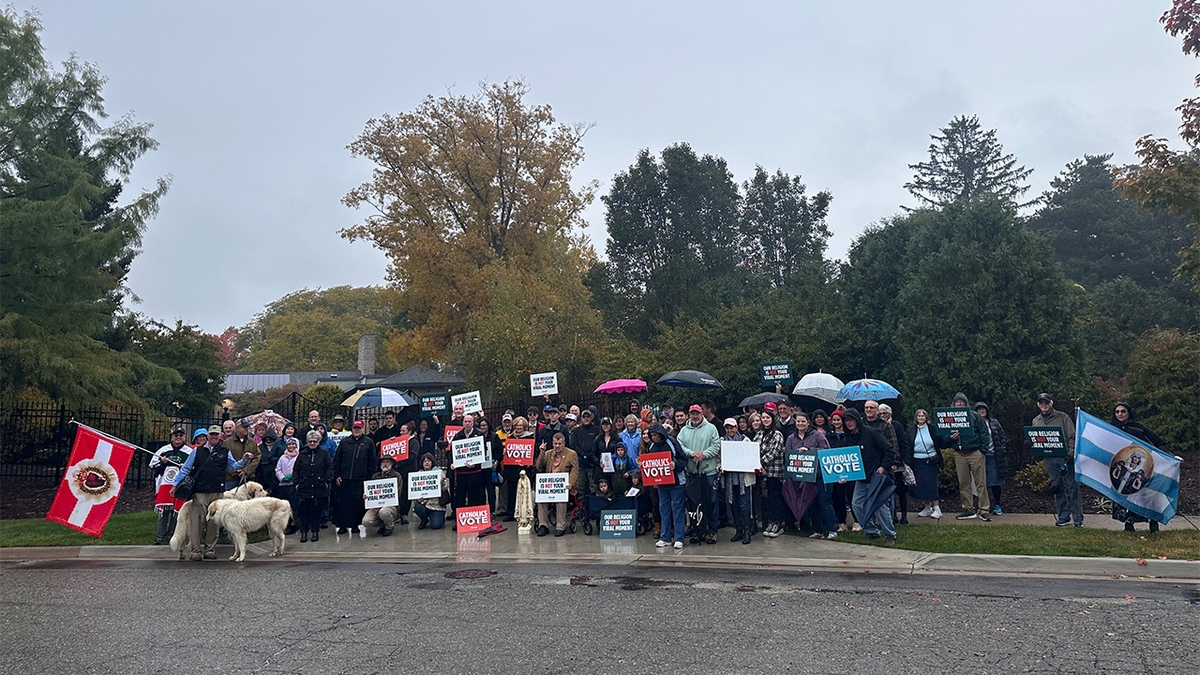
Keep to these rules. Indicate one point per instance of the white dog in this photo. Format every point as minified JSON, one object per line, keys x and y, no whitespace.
{"x":247,"y":490}
{"x":241,"y":518}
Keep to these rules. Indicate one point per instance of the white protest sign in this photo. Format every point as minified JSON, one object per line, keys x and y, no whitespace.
{"x":425,"y":484}
{"x":606,"y":463}
{"x":468,"y":451}
{"x":543,"y":384}
{"x":740,"y":456}
{"x":380,"y":493}
{"x":552,"y":487}
{"x":470,"y":402}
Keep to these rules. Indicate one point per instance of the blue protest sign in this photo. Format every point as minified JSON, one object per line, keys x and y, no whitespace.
{"x":842,"y":463}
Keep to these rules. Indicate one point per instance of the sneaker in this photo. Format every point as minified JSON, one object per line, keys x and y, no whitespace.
{"x":832,"y":535}
{"x":997,"y":511}
{"x":1062,"y":521}
{"x":196,"y":557}
{"x":662,"y":544}
{"x":341,"y":530}
{"x":841,"y":527}
{"x":925,"y":512}
{"x":679,"y":546}
{"x":362,"y":531}
{"x":711,"y":538}
{"x":816,"y":535}
{"x":965,"y":515}
{"x":1079,"y":523}
{"x":210,"y":555}
{"x":983,"y":515}
{"x":890,"y":540}
{"x":937,"y":512}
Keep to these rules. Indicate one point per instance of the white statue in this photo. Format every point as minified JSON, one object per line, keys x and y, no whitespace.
{"x":524,"y":513}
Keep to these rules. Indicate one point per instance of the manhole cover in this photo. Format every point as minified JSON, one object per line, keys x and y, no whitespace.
{"x":469,"y":574}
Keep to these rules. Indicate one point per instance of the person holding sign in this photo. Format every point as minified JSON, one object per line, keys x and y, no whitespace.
{"x":432,"y":510}
{"x":469,"y":486}
{"x":970,"y":463}
{"x":1060,"y":469}
{"x":738,"y":488}
{"x":805,"y":439}
{"x":357,"y":457}
{"x":876,"y":455}
{"x":384,"y":516}
{"x":604,"y":451}
{"x":388,"y":431}
{"x":558,"y":459}
{"x":670,"y":496}
{"x":512,"y":468}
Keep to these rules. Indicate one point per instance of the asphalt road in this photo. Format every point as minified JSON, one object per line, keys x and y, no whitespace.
{"x":291,"y":617}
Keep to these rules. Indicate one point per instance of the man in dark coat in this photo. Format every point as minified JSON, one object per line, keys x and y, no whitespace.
{"x":392,"y":430}
{"x":357,"y":458}
{"x":877,"y":458}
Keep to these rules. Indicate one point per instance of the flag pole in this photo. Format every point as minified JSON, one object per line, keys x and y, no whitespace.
{"x":135,"y":447}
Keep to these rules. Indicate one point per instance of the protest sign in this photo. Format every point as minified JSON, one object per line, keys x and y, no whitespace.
{"x":518,"y":451}
{"x":451,"y":432}
{"x":606,"y":463}
{"x":543,"y":384}
{"x":740,"y":456}
{"x":380,"y":493}
{"x":1046,"y":441}
{"x":776,"y":372}
{"x":434,"y":404}
{"x":618,"y":524}
{"x":657,"y":468}
{"x":470,"y":401}
{"x":425,"y":484}
{"x":842,"y":463}
{"x":552,"y":487}
{"x":467,"y":451}
{"x":396,"y":448}
{"x":473,"y":519}
{"x":946,"y":421}
{"x":801,"y":465}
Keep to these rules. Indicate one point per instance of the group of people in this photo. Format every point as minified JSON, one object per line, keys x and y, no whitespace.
{"x":320,"y":470}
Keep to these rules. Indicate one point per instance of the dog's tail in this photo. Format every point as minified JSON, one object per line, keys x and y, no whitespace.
{"x":181,"y":526}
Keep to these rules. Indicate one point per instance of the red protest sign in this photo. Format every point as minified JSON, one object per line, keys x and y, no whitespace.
{"x":473,"y":519}
{"x":451,"y":431}
{"x":518,"y":451}
{"x":396,"y":448}
{"x":657,"y":468}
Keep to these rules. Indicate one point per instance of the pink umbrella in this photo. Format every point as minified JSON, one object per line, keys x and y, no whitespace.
{"x":621,"y":387}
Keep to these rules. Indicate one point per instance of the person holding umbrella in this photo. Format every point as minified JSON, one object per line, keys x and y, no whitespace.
{"x":876,"y":454}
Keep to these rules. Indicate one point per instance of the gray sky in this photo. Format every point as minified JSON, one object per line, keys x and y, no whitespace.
{"x":253,"y":104}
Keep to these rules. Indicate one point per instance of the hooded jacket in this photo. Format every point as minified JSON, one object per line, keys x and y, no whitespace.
{"x":701,"y":438}
{"x":999,"y":441}
{"x":1058,"y":418}
{"x":977,"y":440}
{"x":680,"y":458}
{"x":357,"y":458}
{"x":876,"y":451}
{"x":1137,"y":429}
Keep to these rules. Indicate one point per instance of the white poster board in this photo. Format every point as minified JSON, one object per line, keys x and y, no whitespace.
{"x":380,"y":493}
{"x":470,"y":402}
{"x":468,"y":451}
{"x":425,"y":484}
{"x":606,"y":463}
{"x":740,"y":456}
{"x":542,"y":384}
{"x":552,"y":487}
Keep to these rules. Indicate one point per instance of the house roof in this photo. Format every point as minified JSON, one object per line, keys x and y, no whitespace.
{"x":419,"y":376}
{"x":243,"y":382}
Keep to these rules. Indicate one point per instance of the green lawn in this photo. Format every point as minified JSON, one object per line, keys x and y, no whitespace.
{"x":126,"y":529}
{"x":1038,"y":540}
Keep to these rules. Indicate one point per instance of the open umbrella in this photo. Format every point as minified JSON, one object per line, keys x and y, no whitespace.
{"x":268,"y":417}
{"x":819,"y":385}
{"x":866,"y":389}
{"x":693,"y":379}
{"x":759,"y":400}
{"x":879,"y":491}
{"x":621,"y":387}
{"x":379,"y":397}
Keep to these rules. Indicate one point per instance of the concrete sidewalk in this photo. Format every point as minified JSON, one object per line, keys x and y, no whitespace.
{"x":409,"y":544}
{"x":1100,"y":521}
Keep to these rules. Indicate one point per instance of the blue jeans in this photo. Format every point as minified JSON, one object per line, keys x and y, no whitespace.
{"x":435,"y":519}
{"x":1066,"y":490}
{"x":868,"y":520}
{"x":670,"y":507}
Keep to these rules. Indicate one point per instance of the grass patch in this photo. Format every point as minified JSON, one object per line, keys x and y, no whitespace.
{"x":124,"y":529}
{"x":1038,"y":540}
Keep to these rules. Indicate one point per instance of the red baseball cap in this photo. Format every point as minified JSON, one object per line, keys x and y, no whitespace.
{"x":695,"y":408}
{"x":770,"y":406}
{"x":358,"y":423}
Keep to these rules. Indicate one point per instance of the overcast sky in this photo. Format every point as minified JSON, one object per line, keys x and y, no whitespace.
{"x":253,"y":104}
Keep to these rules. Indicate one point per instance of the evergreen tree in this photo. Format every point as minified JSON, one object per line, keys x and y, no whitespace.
{"x":966,"y":162}
{"x":785,"y":230}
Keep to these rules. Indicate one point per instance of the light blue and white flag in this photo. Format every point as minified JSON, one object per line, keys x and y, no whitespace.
{"x":1127,"y":470}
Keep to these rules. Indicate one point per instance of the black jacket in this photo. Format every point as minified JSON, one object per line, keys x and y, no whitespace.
{"x":357,"y":458}
{"x":581,"y":441}
{"x":679,"y":457}
{"x":312,"y":473}
{"x":906,"y":446}
{"x":599,"y":446}
{"x":876,"y":451}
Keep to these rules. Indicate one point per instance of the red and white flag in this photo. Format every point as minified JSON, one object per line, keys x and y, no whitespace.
{"x":95,"y":473}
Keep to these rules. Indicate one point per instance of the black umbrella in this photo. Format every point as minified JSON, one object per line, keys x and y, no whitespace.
{"x":690,"y":378}
{"x":879,"y":491}
{"x":759,"y":400}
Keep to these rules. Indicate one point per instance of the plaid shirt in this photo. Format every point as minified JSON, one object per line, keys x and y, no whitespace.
{"x":770,"y":451}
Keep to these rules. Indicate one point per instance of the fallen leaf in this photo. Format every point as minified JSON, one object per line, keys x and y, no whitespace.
{"x":1142,"y":538}
{"x":1111,"y":634}
{"x":885,"y":652}
{"x":347,"y":616}
{"x":1070,"y":611}
{"x":978,"y":653}
{"x":866,"y":571}
{"x":845,"y":562}
{"x":937,"y":599}
{"x":1142,"y":561}
{"x":1162,"y":557}
{"x":1130,"y":597}
{"x":1003,"y":629}
{"x":1084,"y":612}
{"x":920,"y":593}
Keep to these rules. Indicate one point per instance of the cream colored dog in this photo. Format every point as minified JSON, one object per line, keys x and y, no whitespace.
{"x":240,"y":518}
{"x":247,"y":490}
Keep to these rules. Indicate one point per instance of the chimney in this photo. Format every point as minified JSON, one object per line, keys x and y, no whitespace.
{"x":366,"y":354}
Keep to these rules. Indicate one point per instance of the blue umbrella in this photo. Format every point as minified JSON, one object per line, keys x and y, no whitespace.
{"x":379,"y":397}
{"x":866,"y":389}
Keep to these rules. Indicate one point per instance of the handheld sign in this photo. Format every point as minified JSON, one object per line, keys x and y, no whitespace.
{"x":842,"y":463}
{"x":552,"y":487}
{"x":518,"y":452}
{"x":740,"y":456}
{"x":434,"y":404}
{"x":618,"y":524}
{"x":425,"y":484}
{"x":451,"y":432}
{"x":801,"y":466}
{"x":776,"y":372}
{"x":543,"y":384}
{"x":946,"y":421}
{"x":1046,"y":441}
{"x":396,"y":448}
{"x":606,"y":463}
{"x":473,"y":519}
{"x":467,"y":451}
{"x":470,"y":400}
{"x":657,"y":468}
{"x":380,"y":493}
